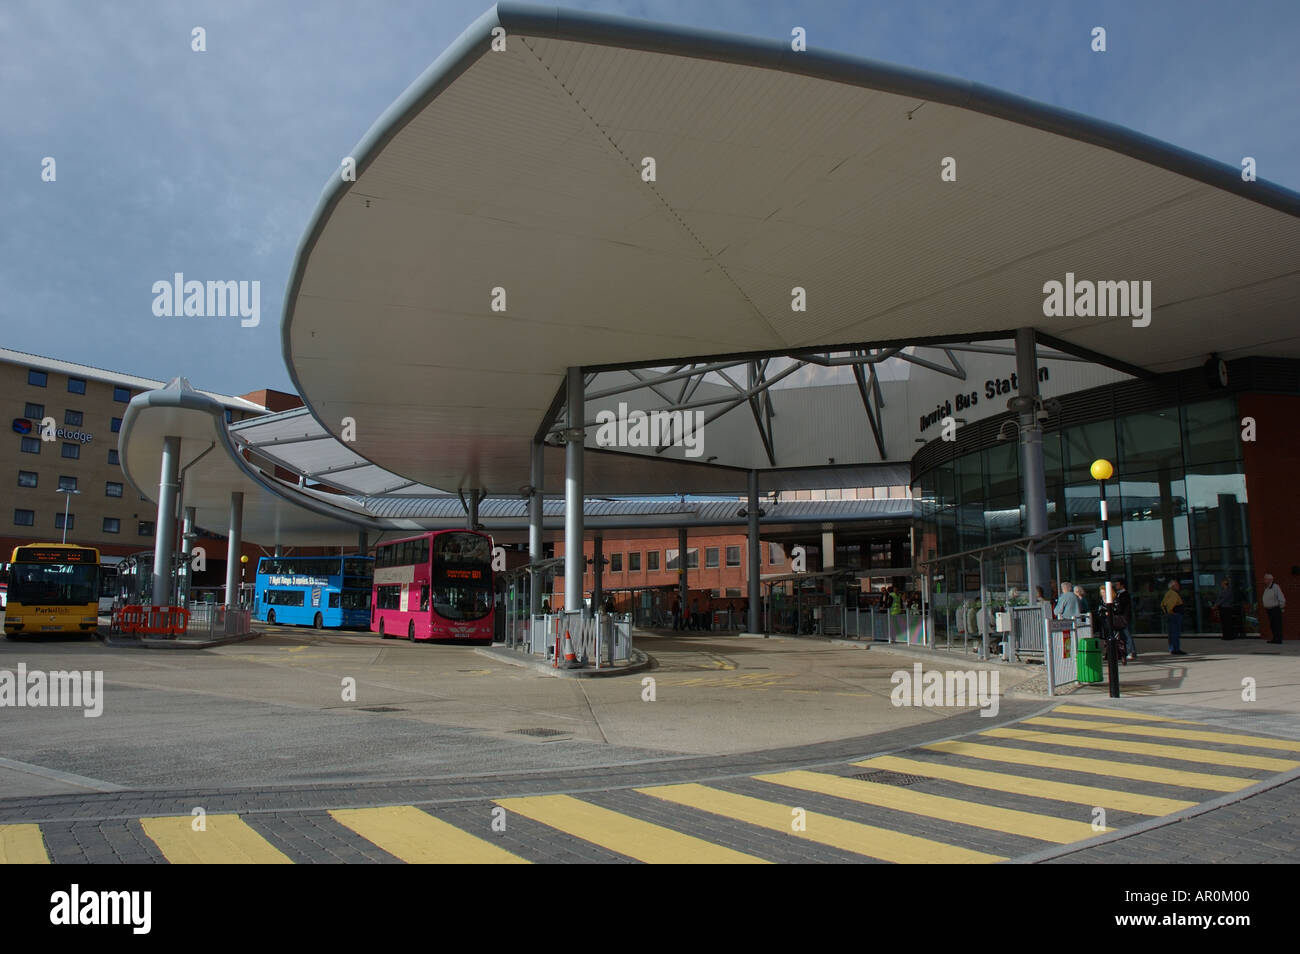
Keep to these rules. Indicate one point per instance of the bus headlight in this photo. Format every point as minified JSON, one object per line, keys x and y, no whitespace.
{"x":14,"y":619}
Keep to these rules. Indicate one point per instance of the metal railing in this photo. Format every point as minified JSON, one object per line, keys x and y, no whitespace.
{"x":212,"y":621}
{"x":598,"y":641}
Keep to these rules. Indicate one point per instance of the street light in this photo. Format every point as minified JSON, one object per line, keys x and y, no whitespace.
{"x":1102,"y":470}
{"x":67,"y":500}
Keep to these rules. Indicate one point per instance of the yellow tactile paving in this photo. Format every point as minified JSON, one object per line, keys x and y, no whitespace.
{"x":418,"y":838}
{"x":22,"y":845}
{"x":866,"y":840}
{"x":1120,"y":714}
{"x":226,"y":840}
{"x":1010,"y":821}
{"x":1075,"y":763}
{"x":1181,"y":753}
{"x":1087,"y":795}
{"x":1187,"y":735}
{"x":624,"y":834}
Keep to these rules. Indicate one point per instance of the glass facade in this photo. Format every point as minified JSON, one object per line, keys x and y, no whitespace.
{"x":1177,"y":510}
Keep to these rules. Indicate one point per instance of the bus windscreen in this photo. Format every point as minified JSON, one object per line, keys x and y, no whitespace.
{"x":462,"y":576}
{"x":53,"y":585}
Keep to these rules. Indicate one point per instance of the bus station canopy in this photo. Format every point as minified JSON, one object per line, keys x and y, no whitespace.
{"x":610,"y":194}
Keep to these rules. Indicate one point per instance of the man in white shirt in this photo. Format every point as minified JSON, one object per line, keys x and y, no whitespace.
{"x":1274,"y":603}
{"x":1067,"y":605}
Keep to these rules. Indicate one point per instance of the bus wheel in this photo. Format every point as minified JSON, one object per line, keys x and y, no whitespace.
{"x":382,"y":634}
{"x":270,"y":617}
{"x":410,"y":630}
{"x":319,"y":623}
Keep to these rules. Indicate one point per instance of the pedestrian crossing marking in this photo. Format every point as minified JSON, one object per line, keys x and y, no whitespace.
{"x":1038,"y":788}
{"x":419,"y":838}
{"x":225,"y":840}
{"x":1180,"y":753}
{"x":642,"y":840}
{"x":22,"y":845}
{"x":855,"y":837}
{"x":1009,"y":821}
{"x":1190,"y":735}
{"x":1075,"y":763}
{"x":1121,"y":714}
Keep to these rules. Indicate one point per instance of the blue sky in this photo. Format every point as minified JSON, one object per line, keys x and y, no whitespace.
{"x":210,"y":164}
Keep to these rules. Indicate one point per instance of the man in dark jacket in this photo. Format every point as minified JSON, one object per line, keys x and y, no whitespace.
{"x":1124,"y":608}
{"x":1229,"y":606}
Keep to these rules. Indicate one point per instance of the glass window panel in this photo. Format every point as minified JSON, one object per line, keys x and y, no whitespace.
{"x":1003,"y":469}
{"x":1148,"y":441}
{"x":1211,"y":432}
{"x":1216,"y":503}
{"x":1084,"y":444}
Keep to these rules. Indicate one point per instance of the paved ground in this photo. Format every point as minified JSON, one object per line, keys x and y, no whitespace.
{"x":753,"y":750}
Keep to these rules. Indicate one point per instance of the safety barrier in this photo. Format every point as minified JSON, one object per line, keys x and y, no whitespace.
{"x":1062,"y":661}
{"x":598,"y":641}
{"x":166,"y":621}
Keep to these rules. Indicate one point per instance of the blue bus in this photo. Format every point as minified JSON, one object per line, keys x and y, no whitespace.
{"x":331,"y":591}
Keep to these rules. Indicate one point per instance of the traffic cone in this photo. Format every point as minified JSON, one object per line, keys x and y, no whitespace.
{"x":570,"y":657}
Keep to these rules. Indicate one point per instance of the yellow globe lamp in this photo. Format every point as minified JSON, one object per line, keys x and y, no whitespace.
{"x":243,"y":557}
{"x":1102,"y":469}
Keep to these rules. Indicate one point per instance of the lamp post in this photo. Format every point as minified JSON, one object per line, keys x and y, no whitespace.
{"x":66,"y":500}
{"x":1102,"y":470}
{"x":243,"y":562}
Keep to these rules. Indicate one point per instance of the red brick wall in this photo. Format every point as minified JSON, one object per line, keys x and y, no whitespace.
{"x":721,"y":577}
{"x":1272,"y":463}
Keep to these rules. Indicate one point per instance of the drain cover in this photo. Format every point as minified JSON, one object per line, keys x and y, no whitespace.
{"x":544,"y":733}
{"x":890,"y":778}
{"x":380,"y":709}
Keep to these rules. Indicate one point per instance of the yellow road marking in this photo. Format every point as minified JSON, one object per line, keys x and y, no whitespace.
{"x":1075,"y":763}
{"x":860,"y":839}
{"x":418,"y":838}
{"x":1037,"y":788}
{"x":1120,"y":714}
{"x":629,"y":836}
{"x":227,"y":840}
{"x":22,"y":845}
{"x":1190,"y":735}
{"x":1181,"y":753}
{"x":1010,"y":821}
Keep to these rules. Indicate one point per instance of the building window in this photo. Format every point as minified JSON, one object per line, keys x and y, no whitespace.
{"x":112,"y":525}
{"x":62,"y":523}
{"x":117,"y":424}
{"x":230,"y":416}
{"x":711,"y":557}
{"x":76,"y":385}
{"x":72,"y":418}
{"x":616,"y":563}
{"x":121,"y":395}
{"x":37,"y":379}
{"x":733,"y":556}
{"x":67,"y":483}
{"x":72,"y":451}
{"x":112,"y":489}
{"x":145,"y":528}
{"x":634,"y":562}
{"x":36,"y":411}
{"x":112,"y":456}
{"x":775,"y":556}
{"x":24,"y":518}
{"x":26,"y":478}
{"x":31,"y":445}
{"x":652,"y":561}
{"x":692,"y":559}
{"x":733,"y":593}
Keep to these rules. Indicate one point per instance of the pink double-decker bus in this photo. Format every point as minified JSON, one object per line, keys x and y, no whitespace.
{"x":434,"y":586}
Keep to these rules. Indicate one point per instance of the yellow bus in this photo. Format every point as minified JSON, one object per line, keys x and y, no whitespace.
{"x":53,"y":588}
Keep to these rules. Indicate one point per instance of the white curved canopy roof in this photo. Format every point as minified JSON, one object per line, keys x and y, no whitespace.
{"x":522,"y":171}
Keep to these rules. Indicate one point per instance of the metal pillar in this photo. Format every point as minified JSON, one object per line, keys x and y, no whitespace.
{"x":1032,"y":469}
{"x":536,"y":481}
{"x":574,"y":555}
{"x":472,"y":508}
{"x":754,"y":555}
{"x":828,"y":549}
{"x":683,"y":590}
{"x":187,"y":547}
{"x":363,"y":542}
{"x":234,"y":543}
{"x":165,"y":529}
{"x":279,"y":549}
{"x":597,"y":572}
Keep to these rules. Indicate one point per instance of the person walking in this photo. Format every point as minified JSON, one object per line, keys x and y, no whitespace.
{"x":1172,"y":608}
{"x":1067,"y":604}
{"x":1228,"y":606}
{"x":1274,"y":603}
{"x":1082,"y":597}
{"x":1043,"y":602}
{"x":1124,"y":615}
{"x":677,"y":614}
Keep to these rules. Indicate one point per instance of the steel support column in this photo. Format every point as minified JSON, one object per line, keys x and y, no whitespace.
{"x":363,"y":542}
{"x":574,"y":555}
{"x":1032,"y":469}
{"x":234,"y":543}
{"x":165,"y":529}
{"x":597,"y":573}
{"x":753,"y":557}
{"x":683,"y":590}
{"x":536,"y":481}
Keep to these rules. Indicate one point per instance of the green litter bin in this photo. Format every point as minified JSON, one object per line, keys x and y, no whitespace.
{"x":1090,"y":660}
